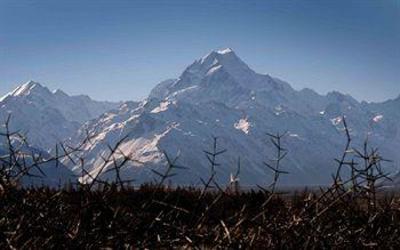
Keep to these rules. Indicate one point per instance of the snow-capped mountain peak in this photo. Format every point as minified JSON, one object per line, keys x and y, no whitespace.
{"x":29,"y":88}
{"x":49,"y":117}
{"x":225,"y":58}
{"x":225,"y":51}
{"x":25,"y":87}
{"x":220,"y":71}
{"x":220,"y":95}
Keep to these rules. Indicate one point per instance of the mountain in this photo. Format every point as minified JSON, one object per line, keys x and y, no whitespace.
{"x":42,"y":168}
{"x":216,"y":95}
{"x":219,"y":95}
{"x":48,"y":117}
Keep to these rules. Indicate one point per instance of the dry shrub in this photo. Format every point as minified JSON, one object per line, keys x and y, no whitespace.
{"x":351,"y":213}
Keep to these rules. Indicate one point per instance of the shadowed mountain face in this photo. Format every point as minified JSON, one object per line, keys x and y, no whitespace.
{"x":217,"y":95}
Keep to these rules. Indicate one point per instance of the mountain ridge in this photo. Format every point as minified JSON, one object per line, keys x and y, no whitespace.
{"x":219,"y":95}
{"x":181,"y":115}
{"x":49,"y":117}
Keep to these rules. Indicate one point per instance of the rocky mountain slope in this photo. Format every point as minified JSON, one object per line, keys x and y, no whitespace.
{"x":219,"y":95}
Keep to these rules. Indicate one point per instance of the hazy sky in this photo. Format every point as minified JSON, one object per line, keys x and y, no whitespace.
{"x":118,"y":50}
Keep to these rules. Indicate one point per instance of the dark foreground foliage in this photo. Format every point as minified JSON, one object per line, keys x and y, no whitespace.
{"x":352,"y":213}
{"x":165,"y":218}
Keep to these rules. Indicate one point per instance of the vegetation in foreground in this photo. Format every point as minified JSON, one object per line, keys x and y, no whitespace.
{"x":351,"y":213}
{"x":161,"y":218}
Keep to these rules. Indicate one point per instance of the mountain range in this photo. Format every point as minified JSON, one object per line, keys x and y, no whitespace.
{"x":217,"y":95}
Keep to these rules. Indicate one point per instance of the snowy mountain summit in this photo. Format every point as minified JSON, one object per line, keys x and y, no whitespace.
{"x":48,"y":117}
{"x":222,"y":68}
{"x":27,"y":88}
{"x":217,"y":95}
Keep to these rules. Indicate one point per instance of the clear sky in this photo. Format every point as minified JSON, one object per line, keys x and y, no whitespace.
{"x":118,"y":50}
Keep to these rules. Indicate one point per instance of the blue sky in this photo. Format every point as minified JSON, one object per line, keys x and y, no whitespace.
{"x":118,"y":50}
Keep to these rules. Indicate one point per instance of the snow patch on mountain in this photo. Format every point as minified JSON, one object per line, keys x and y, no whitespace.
{"x":337,"y":120}
{"x":243,"y":125}
{"x":225,"y":51}
{"x":213,"y":69}
{"x":162,"y":107}
{"x":377,"y":118}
